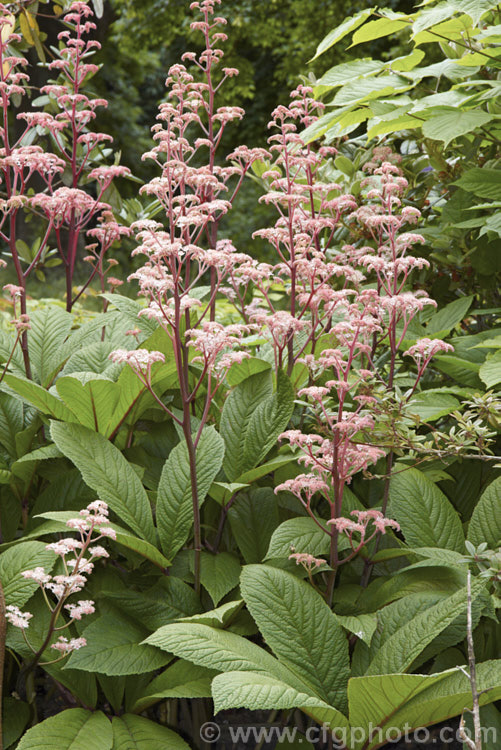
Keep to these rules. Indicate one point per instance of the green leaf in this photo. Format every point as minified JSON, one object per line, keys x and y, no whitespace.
{"x":50,"y":327}
{"x":108,"y":473}
{"x":25,"y":556}
{"x":267,"y":468}
{"x":240,"y":371}
{"x":15,"y":716}
{"x":367,"y":89}
{"x":452,"y":125}
{"x":238,"y":408}
{"x":474,"y":8}
{"x":93,"y":403}
{"x":174,"y":500}
{"x":363,"y":626}
{"x":431,"y":406}
{"x":485,"y":524}
{"x":73,"y":729}
{"x":407,"y":701}
{"x":462,"y":370}
{"x":131,"y":308}
{"x":11,"y":422}
{"x":425,"y":515}
{"x":253,"y":518}
{"x":400,"y":650}
{"x":219,"y":574}
{"x":251,"y":421}
{"x":442,"y":322}
{"x":341,"y":74}
{"x":222,"y":650}
{"x":377,"y":29}
{"x":490,"y":371}
{"x":40,"y":398}
{"x":170,"y":599}
{"x":92,"y":358}
{"x":481,"y":181}
{"x":257,"y":691}
{"x":300,"y":535}
{"x":300,"y":628}
{"x":132,"y":732}
{"x":114,"y":648}
{"x":123,"y":537}
{"x":349,"y":24}
{"x":219,"y":617}
{"x":180,"y":680}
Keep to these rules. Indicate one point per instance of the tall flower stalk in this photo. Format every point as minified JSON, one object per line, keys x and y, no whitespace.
{"x":66,"y":211}
{"x":186,"y":250}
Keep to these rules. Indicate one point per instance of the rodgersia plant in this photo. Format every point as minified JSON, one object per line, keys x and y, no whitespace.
{"x":237,"y":442}
{"x":66,"y":210}
{"x":180,"y":254}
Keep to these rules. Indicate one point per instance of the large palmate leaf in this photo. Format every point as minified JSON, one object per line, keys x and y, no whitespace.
{"x":25,"y":556}
{"x":73,"y":729}
{"x":132,"y":732}
{"x":174,"y":499}
{"x":252,"y":419}
{"x":425,"y":515}
{"x":399,"y":651}
{"x":114,"y":647}
{"x":390,"y":619}
{"x":257,"y":691}
{"x":300,"y":628}
{"x":15,"y":717}
{"x":50,"y":327}
{"x":108,"y":473}
{"x":485,"y":524}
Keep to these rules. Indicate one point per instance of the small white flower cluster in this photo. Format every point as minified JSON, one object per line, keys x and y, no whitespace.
{"x":92,"y":524}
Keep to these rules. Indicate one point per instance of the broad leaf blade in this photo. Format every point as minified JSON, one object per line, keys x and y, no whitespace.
{"x":73,"y":729}
{"x":262,"y":692}
{"x":175,"y":500}
{"x":400,"y":650}
{"x":132,"y":732}
{"x":425,"y":515}
{"x":114,"y":647}
{"x":300,"y":628}
{"x":485,"y":524}
{"x":106,"y":471}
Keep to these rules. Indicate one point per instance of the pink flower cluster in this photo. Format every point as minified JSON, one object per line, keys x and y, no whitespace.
{"x":62,"y":206}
